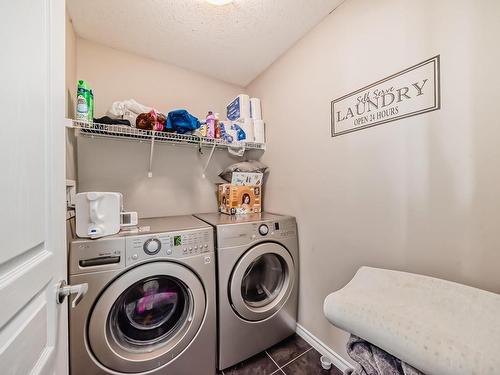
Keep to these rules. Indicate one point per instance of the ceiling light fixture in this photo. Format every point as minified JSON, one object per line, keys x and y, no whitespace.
{"x":219,"y":2}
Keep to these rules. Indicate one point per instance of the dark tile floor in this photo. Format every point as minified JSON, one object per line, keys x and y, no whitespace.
{"x":292,"y":356}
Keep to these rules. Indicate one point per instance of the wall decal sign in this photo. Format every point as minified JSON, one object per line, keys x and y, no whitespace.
{"x":410,"y":92}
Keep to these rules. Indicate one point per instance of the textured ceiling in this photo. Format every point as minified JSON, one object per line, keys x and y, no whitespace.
{"x":234,"y":43}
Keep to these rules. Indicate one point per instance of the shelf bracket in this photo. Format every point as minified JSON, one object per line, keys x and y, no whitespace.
{"x":208,"y":161}
{"x":151,"y":152}
{"x":199,"y":146}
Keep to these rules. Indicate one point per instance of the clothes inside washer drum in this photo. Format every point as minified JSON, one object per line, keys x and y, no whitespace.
{"x":436,"y":326}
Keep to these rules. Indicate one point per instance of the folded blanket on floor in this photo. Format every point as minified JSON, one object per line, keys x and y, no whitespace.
{"x":372,"y":360}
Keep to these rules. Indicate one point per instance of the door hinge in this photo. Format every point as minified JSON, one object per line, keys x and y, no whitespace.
{"x":64,"y":290}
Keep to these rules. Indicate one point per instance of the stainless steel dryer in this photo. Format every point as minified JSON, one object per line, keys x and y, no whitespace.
{"x":257,"y":265}
{"x":150,"y":306}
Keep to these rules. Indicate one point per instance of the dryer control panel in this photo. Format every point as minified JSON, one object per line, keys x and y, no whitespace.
{"x":248,"y":233}
{"x":278,"y":229}
{"x":168,"y":245}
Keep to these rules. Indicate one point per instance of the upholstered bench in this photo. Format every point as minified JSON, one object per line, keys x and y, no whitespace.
{"x":437,"y":326}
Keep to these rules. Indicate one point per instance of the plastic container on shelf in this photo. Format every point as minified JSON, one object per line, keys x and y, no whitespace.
{"x":83,"y":101}
{"x":210,"y":125}
{"x":217,"y":130}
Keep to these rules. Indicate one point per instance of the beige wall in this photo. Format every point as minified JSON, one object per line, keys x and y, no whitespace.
{"x":177,"y":186}
{"x":419,"y":194}
{"x":117,"y":75}
{"x":71,"y":173}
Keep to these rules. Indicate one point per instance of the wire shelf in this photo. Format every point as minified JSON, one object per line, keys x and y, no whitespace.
{"x":94,"y":129}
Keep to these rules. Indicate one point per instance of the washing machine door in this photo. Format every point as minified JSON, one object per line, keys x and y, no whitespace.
{"x":261,"y":281}
{"x":146,"y":317}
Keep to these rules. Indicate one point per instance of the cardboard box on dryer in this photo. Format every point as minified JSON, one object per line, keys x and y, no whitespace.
{"x":238,"y":200}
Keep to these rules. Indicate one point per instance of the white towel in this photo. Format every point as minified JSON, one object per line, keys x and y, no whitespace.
{"x":127,"y":110}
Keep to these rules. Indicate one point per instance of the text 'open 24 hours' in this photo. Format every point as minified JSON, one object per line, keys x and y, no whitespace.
{"x":411,"y":92}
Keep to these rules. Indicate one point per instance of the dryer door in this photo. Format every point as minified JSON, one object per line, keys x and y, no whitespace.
{"x":146,"y":317}
{"x":262,"y":281}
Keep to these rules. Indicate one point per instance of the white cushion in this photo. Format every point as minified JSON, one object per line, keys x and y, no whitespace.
{"x":437,"y":326}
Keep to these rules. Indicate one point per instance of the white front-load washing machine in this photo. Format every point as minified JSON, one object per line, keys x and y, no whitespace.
{"x":258,"y":268}
{"x":151,"y":301}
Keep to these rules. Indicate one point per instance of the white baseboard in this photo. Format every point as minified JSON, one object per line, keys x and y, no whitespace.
{"x":322,"y":348}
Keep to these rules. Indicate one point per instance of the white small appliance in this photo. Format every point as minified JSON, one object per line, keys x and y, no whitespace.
{"x":101,"y":214}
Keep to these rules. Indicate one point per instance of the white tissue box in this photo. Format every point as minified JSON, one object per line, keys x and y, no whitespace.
{"x":247,"y":179}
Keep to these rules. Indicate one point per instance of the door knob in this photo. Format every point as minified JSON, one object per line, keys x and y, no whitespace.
{"x":64,"y":290}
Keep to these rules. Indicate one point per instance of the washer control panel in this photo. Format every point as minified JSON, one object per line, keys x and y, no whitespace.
{"x":168,"y":245}
{"x":152,"y":246}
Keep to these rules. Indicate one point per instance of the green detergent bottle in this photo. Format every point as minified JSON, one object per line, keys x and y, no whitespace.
{"x":91,"y":108}
{"x":82,"y":101}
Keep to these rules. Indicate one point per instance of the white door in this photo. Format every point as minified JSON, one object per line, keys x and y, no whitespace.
{"x":33,"y":328}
